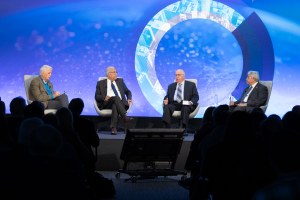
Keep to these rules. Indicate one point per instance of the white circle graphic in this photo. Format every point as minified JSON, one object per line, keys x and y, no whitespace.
{"x":160,"y":24}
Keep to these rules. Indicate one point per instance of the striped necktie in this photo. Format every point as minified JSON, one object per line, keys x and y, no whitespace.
{"x":179,"y":93}
{"x":246,"y":95}
{"x":114,"y":89}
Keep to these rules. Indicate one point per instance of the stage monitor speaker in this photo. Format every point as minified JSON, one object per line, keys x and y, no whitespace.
{"x":150,"y":145}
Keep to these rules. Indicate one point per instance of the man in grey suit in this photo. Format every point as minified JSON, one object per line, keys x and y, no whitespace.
{"x":112,"y":93}
{"x":181,"y":95}
{"x":253,"y":96}
{"x":41,"y":89}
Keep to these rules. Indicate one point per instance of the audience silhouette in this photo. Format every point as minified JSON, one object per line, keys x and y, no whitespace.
{"x":17,"y":107}
{"x":2,"y":107}
{"x":234,"y":155}
{"x":83,"y":126}
{"x":43,"y":157}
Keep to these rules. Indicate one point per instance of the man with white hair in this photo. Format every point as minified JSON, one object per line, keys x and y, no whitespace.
{"x":182,"y":95}
{"x":253,"y":96}
{"x":41,"y":89}
{"x":112,"y":93}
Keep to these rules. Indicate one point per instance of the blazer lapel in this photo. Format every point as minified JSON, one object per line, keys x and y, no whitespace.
{"x":103,"y":87}
{"x":42,"y":85}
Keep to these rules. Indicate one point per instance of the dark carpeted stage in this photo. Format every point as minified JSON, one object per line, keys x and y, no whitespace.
{"x":102,"y":123}
{"x":110,"y":146}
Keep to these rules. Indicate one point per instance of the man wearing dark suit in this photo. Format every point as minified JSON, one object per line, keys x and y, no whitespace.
{"x":253,"y":96}
{"x":181,"y":95}
{"x":112,"y":93}
{"x":41,"y":89}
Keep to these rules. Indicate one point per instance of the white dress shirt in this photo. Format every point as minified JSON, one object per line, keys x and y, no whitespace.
{"x":110,"y":91}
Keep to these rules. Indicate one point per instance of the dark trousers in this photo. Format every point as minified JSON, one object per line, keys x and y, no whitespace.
{"x":241,"y":108}
{"x":58,"y":102}
{"x":118,"y":107}
{"x":185,"y":112}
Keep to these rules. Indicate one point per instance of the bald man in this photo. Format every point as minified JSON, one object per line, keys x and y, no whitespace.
{"x":183,"y":96}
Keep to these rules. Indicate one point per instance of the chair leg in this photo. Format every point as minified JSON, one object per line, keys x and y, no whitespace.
{"x":180,"y":123}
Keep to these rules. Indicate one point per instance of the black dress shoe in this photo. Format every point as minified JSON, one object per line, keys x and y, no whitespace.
{"x":114,"y":131}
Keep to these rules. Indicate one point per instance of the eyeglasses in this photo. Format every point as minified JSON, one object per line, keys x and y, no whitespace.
{"x":114,"y":72}
{"x":178,"y":74}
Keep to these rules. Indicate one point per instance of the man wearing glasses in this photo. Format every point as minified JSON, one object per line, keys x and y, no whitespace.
{"x":112,"y":93}
{"x":254,"y":96}
{"x":182,"y":95}
{"x":41,"y":89}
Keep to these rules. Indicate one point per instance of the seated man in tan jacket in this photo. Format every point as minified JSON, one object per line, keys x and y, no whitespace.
{"x":41,"y":89}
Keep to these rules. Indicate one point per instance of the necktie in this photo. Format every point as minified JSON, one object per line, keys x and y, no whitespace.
{"x":179,"y":93}
{"x":247,"y":94}
{"x":249,"y":90}
{"x":114,"y":89}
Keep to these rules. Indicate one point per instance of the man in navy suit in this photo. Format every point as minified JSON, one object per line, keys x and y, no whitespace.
{"x":112,"y":93}
{"x":253,"y":96}
{"x":182,"y":95}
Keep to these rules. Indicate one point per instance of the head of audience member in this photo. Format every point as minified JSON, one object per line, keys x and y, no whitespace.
{"x":35,"y":109}
{"x":253,"y":77}
{"x":207,"y":117}
{"x":275,"y":117}
{"x":296,"y":109}
{"x":290,"y":121}
{"x":45,"y":141}
{"x":271,"y":126}
{"x":27,"y":127}
{"x":76,"y":106}
{"x":46,"y":72}
{"x":17,"y":106}
{"x":111,"y":73}
{"x":2,"y":107}
{"x":220,"y":114}
{"x":179,"y":75}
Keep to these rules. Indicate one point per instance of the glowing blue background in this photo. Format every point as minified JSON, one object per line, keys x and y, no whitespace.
{"x":206,"y":55}
{"x":81,"y":38}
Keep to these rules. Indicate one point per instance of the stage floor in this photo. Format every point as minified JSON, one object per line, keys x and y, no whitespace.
{"x":102,"y":123}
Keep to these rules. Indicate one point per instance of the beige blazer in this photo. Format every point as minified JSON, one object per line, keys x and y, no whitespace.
{"x":38,"y":92}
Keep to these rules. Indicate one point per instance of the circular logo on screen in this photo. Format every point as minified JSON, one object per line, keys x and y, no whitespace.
{"x":206,"y":39}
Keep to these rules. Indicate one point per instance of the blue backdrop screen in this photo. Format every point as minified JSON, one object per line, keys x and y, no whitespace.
{"x":216,"y":42}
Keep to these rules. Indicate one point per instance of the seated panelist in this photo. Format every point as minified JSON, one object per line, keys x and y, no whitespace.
{"x":183,"y":96}
{"x":112,"y":93}
{"x":254,"y":96}
{"x":41,"y":89}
